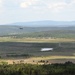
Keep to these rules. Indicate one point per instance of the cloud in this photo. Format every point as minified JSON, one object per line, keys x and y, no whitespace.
{"x":28,"y":3}
{"x":44,"y":4}
{"x":57,"y":6}
{"x":51,"y":5}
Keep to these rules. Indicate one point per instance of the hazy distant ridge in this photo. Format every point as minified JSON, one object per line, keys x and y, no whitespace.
{"x":45,"y":23}
{"x":36,"y":26}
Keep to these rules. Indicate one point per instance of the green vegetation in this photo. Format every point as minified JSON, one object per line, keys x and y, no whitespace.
{"x":69,"y":34}
{"x":22,"y":49}
{"x":37,"y":34}
{"x":18,"y":55}
{"x":27,"y":42}
{"x":67,"y":68}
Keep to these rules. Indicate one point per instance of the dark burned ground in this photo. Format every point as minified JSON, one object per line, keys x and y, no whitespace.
{"x":17,"y":48}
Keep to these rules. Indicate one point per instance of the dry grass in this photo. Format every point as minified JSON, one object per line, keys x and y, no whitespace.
{"x":52,"y":40}
{"x":34,"y":60}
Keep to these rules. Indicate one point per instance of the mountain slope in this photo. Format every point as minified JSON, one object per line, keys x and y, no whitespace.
{"x":22,"y":31}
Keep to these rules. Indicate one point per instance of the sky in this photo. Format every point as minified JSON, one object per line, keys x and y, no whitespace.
{"x":36,"y":10}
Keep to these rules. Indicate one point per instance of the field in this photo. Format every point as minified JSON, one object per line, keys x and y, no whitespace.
{"x":37,"y":32}
{"x":30,"y":52}
{"x":40,"y":60}
{"x":34,"y":49}
{"x":25,"y":44}
{"x":38,"y":39}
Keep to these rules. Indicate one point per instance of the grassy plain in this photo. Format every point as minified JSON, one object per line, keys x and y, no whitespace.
{"x":32,"y":46}
{"x":36,"y":60}
{"x":50,"y":40}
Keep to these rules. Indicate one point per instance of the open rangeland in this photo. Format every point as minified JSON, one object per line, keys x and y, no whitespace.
{"x":28,"y":50}
{"x":49,"y":40}
{"x":40,"y":60}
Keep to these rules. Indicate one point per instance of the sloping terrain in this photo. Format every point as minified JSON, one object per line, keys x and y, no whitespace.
{"x":53,"y":32}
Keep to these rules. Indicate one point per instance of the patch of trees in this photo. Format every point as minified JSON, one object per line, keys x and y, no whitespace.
{"x":18,"y":55}
{"x":48,"y":34}
{"x":27,"y":69}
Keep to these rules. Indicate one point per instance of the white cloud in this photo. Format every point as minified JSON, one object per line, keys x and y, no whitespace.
{"x":57,"y":6}
{"x":25,"y":4}
{"x":53,"y":5}
{"x":28,"y":3}
{"x":60,"y":6}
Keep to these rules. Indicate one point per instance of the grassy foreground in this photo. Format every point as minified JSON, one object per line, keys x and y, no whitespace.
{"x":67,"y":68}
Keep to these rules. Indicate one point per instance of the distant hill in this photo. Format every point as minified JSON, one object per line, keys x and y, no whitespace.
{"x":45,"y":23}
{"x":35,"y":26}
